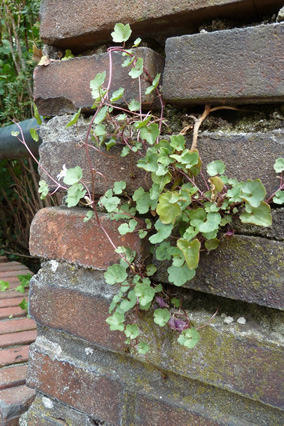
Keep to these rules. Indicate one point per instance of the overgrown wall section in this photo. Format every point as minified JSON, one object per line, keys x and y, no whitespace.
{"x":81,"y":370}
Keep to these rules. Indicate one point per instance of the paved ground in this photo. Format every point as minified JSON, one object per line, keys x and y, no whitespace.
{"x":17,"y":332}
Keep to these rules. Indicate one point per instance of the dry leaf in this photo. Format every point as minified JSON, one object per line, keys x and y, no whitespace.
{"x":44,"y":61}
{"x":37,"y":54}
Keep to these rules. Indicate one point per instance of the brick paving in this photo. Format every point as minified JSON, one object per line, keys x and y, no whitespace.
{"x":17,"y":332}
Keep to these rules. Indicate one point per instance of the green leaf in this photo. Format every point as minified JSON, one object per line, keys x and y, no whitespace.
{"x":189,"y":338}
{"x":109,"y":202}
{"x":117,"y":94}
{"x":137,"y":70}
{"x":121,"y":33}
{"x":150,"y":270}
{"x":110,"y":143}
{"x":149,"y":162}
{"x":126,"y":228}
{"x":197,"y":216}
{"x":96,"y":84}
{"x":73,"y":175}
{"x":279,"y":197}
{"x":118,"y":187}
{"x":4,"y":285}
{"x":150,"y":133}
{"x":143,"y":201}
{"x":161,"y":317}
{"x":167,"y":211}
{"x":164,"y":231}
{"x":43,"y":189}
{"x":190,"y":250}
{"x":143,"y":348}
{"x":115,"y":274}
{"x":88,"y":216}
{"x":101,"y":115}
{"x":24,"y":279}
{"x":74,"y":194}
{"x":131,"y":331}
{"x":143,"y":123}
{"x":178,"y":142}
{"x":179,"y":275}
{"x":115,"y":321}
{"x":15,"y":133}
{"x":144,"y":291}
{"x":175,"y":302}
{"x":34,"y":135}
{"x":258,"y":215}
{"x":211,"y":244}
{"x":211,"y":224}
{"x":279,"y":165}
{"x":68,"y":55}
{"x":24,"y":305}
{"x":100,"y":130}
{"x":74,"y":119}
{"x":165,"y":251}
{"x":36,"y":115}
{"x":216,"y":168}
{"x":20,"y":289}
{"x":253,"y":192}
{"x":128,"y":303}
{"x":134,"y":105}
{"x":137,"y":42}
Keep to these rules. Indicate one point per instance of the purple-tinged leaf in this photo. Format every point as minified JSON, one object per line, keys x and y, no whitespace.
{"x":177,"y":324}
{"x":161,"y":302}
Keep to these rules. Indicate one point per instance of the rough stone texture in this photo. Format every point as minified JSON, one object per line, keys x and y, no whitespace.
{"x":275,"y":231}
{"x":81,"y":388}
{"x":48,"y":412}
{"x":243,"y":268}
{"x":57,"y":298}
{"x":59,"y":233}
{"x":81,"y":25}
{"x":14,"y":402}
{"x":168,"y":385}
{"x":62,"y":146}
{"x":239,"y":65}
{"x":64,"y":86}
{"x":246,"y":155}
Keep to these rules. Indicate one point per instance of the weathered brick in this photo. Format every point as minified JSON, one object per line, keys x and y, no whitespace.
{"x":57,"y":306}
{"x":239,"y":65}
{"x":111,"y":167}
{"x":10,"y":294}
{"x":19,"y":338}
{"x":82,"y":25}
{"x":49,"y":412}
{"x":150,"y":411}
{"x":246,"y":155}
{"x":243,"y":268}
{"x":54,"y":235}
{"x":81,"y":388}
{"x":14,"y":402}
{"x":64,"y":86}
{"x":15,"y":311}
{"x":14,"y":301}
{"x":15,"y":325}
{"x":153,"y":379}
{"x":14,"y":355}
{"x":13,"y":376}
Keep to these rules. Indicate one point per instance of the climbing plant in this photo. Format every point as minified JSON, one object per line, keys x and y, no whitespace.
{"x":180,"y":214}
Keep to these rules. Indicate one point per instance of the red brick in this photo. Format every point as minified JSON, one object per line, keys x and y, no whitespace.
{"x":11,"y":266}
{"x":83,"y":24}
{"x":56,"y":307}
{"x":15,"y":325}
{"x":155,"y":413}
{"x":14,"y":402}
{"x":3,"y":259}
{"x":83,"y":389}
{"x":53,"y":154}
{"x":58,"y":90}
{"x":10,"y":294}
{"x":19,"y":338}
{"x":6,"y":274}
{"x":15,"y":312}
{"x":13,"y":376}
{"x":14,"y":301}
{"x":61,"y":234}
{"x":14,"y":355}
{"x":209,"y":67}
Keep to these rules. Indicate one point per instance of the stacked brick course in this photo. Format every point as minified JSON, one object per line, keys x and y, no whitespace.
{"x":81,"y":370}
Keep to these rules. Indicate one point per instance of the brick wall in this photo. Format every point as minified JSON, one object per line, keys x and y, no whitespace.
{"x":81,"y":370}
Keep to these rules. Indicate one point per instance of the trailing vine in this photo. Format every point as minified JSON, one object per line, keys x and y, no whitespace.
{"x":180,"y":215}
